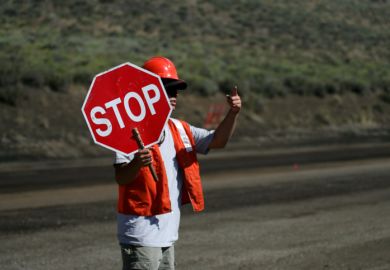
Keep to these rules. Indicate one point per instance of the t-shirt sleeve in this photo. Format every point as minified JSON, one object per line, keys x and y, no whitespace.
{"x":121,"y":158}
{"x":203,"y":138}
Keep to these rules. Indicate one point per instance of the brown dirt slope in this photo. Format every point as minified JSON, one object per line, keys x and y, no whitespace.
{"x":46,"y":124}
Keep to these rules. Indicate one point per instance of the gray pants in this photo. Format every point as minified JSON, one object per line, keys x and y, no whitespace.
{"x":147,"y":258}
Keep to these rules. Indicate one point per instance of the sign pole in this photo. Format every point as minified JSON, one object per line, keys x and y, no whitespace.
{"x":141,"y":146}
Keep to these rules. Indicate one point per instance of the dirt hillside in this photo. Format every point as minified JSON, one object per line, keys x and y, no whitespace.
{"x":45,"y":124}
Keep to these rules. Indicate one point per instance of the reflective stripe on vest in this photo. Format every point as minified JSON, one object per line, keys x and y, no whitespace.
{"x":183,"y":134}
{"x":145,"y":197}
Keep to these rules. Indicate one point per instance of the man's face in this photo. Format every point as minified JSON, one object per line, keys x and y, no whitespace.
{"x":172,"y":94}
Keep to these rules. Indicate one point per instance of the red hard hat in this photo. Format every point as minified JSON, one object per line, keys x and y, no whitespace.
{"x":165,"y":68}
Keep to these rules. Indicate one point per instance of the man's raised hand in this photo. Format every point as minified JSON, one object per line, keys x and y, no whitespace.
{"x":234,"y":100}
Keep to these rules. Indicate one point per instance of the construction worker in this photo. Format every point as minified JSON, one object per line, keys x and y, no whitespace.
{"x":148,"y":210}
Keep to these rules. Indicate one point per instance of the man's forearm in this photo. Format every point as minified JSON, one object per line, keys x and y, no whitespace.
{"x":125,"y":173}
{"x":224,"y":130}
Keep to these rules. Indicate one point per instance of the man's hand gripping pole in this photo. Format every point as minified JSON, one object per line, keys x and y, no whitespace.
{"x":141,"y":146}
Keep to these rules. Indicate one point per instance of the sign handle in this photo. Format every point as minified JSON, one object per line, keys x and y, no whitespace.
{"x":141,"y":146}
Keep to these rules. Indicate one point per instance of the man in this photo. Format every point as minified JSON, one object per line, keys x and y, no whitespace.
{"x":148,"y":210}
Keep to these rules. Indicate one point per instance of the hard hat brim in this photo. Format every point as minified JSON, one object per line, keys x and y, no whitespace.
{"x":174,"y":84}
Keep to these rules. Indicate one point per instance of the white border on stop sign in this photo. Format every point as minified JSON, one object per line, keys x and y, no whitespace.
{"x":89,"y":91}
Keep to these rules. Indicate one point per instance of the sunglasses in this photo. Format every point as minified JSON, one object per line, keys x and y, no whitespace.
{"x":172,"y":92}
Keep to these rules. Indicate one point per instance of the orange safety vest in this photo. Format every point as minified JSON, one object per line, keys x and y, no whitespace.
{"x":146,"y":197}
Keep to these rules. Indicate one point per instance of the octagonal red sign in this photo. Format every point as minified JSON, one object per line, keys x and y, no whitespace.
{"x":121,"y":99}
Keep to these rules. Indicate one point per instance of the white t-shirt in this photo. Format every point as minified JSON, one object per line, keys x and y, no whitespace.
{"x":161,"y":230}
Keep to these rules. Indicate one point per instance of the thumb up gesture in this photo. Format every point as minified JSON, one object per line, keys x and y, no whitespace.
{"x":234,"y":100}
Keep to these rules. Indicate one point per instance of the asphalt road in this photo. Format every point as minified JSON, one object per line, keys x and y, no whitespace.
{"x":332,"y":215}
{"x":24,"y":176}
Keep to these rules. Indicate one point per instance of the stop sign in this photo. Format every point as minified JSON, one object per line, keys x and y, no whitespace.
{"x":121,"y":99}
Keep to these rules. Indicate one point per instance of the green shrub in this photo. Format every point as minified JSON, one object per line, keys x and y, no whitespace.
{"x":203,"y":86}
{"x":296,"y":85}
{"x":385,"y":97}
{"x":33,"y":78}
{"x":271,"y":87}
{"x":226,"y":85}
{"x":10,"y":95}
{"x":57,"y":82}
{"x":354,"y":87}
{"x":83,"y":77}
